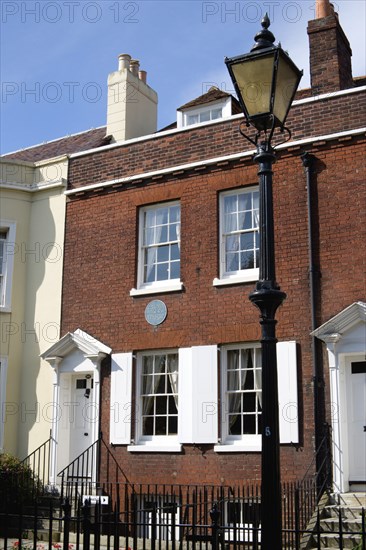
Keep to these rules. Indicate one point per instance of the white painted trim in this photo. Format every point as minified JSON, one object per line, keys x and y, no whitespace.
{"x":120,"y":399}
{"x":207,"y":162}
{"x":342,"y":344}
{"x":34,"y":187}
{"x":10,"y":227}
{"x":157,"y":135}
{"x":240,"y":448}
{"x":163,"y":448}
{"x":3,"y":375}
{"x":174,"y":287}
{"x":252,"y":278}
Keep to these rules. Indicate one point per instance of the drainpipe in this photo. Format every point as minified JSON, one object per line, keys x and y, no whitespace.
{"x":314,"y":276}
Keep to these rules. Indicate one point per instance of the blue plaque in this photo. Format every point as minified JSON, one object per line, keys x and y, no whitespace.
{"x":155,"y":312}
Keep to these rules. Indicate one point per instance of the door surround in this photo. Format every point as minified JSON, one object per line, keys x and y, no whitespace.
{"x":344,"y":336}
{"x":76,"y":353}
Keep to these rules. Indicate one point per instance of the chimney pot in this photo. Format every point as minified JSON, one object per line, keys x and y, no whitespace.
{"x":323,"y":8}
{"x":134,"y":67}
{"x":124,"y":61}
{"x":142,"y":76}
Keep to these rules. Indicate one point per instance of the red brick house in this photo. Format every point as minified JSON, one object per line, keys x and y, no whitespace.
{"x":161,"y":352}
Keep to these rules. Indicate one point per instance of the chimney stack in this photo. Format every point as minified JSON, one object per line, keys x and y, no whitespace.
{"x":132,"y":104}
{"x":330,"y":51}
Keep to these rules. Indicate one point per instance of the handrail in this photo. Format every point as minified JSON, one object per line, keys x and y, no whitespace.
{"x":39,"y":462}
{"x":311,"y":488}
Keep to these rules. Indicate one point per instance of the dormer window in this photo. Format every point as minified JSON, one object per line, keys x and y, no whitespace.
{"x":211,"y":106}
{"x":202,"y":115}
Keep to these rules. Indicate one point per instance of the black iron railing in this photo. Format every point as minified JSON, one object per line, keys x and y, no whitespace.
{"x":314,"y":484}
{"x":39,"y":462}
{"x":163,"y":518}
{"x":83,"y":475}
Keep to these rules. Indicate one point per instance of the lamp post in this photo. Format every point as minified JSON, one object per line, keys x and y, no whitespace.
{"x":266,"y":81}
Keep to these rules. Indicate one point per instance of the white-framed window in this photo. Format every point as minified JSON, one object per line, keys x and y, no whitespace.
{"x":3,"y":373}
{"x":203,"y":115}
{"x":159,"y":248}
{"x":241,"y":395}
{"x":239,"y":236}
{"x":200,"y":114}
{"x":7,"y":252}
{"x":157,"y":397}
{"x":176,"y":399}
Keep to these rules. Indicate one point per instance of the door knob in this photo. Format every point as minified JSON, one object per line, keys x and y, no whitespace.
{"x":364,"y":428}
{"x":86,"y":433}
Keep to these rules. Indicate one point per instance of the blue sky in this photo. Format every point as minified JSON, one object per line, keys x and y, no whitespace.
{"x":56,"y":54}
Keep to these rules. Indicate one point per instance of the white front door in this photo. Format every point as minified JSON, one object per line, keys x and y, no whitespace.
{"x":356,"y":419}
{"x":81,"y":428}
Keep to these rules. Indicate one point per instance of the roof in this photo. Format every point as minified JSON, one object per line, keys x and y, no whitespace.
{"x":213,"y":94}
{"x":75,"y":143}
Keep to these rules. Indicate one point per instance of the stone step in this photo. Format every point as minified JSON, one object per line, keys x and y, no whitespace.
{"x":333,"y":541}
{"x":348,"y":525}
{"x":348,"y":513}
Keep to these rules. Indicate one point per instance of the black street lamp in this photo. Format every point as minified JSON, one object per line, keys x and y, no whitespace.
{"x":266,"y":81}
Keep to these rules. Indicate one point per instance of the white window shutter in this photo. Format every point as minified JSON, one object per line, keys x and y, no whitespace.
{"x":287,"y":392}
{"x":198,"y":403}
{"x":121,"y":398}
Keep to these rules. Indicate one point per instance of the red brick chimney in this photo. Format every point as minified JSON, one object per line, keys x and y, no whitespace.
{"x":330,"y":52}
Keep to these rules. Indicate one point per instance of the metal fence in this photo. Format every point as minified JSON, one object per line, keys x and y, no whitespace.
{"x":174,"y":517}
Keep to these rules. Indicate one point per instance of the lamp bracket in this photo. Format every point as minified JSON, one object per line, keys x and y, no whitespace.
{"x":253,"y":141}
{"x":282,"y":130}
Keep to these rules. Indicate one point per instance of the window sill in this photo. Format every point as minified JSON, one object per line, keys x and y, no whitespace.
{"x":157,"y":289}
{"x":5,"y":309}
{"x":155,"y":448}
{"x":237,"y":448}
{"x":235,"y":280}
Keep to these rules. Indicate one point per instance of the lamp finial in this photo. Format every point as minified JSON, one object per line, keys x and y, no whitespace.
{"x":264,"y":38}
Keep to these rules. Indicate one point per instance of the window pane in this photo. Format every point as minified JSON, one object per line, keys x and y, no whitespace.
{"x":173,"y":425}
{"x":249,"y":424}
{"x":162,"y":216}
{"x":246,"y":241}
{"x":160,"y":425}
{"x":148,"y":425}
{"x":162,"y":272}
{"x":216,"y":113}
{"x":192,"y":119}
{"x":163,"y":253}
{"x":230,"y":203}
{"x":247,"y":260}
{"x":149,"y":237}
{"x":232,"y":262}
{"x":174,"y":252}
{"x":245,"y":201}
{"x":161,"y":235}
{"x":205,"y":116}
{"x":245,"y":220}
{"x":232,"y":243}
{"x":174,"y":213}
{"x":175,"y":270}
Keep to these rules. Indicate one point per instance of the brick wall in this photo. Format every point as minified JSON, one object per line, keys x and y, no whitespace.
{"x":100,"y":270}
{"x":305,"y":120}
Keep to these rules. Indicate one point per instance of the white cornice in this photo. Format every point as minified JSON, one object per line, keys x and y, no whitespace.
{"x":34,"y":187}
{"x":332,"y":330}
{"x":208,"y":162}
